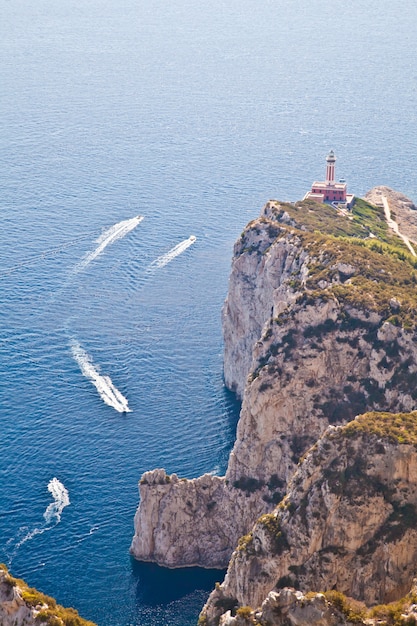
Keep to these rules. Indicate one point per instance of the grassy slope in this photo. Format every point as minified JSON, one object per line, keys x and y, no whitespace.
{"x":383,"y":267}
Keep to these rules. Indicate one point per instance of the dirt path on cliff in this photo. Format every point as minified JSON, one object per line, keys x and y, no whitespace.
{"x":393,"y":224}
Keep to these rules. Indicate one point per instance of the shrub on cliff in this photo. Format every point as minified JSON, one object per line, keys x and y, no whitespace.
{"x":50,"y":612}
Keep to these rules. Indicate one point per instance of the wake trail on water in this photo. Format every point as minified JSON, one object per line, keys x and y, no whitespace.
{"x":61,"y":500}
{"x":104,"y":385}
{"x":72,"y":546}
{"x":52,"y":517}
{"x":163,"y":260}
{"x":50,"y":252}
{"x":112,"y":234}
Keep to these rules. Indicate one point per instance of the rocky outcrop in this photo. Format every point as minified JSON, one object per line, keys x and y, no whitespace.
{"x":24,"y":606}
{"x":13,"y":609}
{"x":348,"y":522}
{"x":189,"y":522}
{"x":324,"y":365}
{"x":318,"y":328}
{"x":402,"y":208}
{"x":289,"y":607}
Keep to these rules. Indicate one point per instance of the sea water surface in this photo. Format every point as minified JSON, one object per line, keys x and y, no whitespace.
{"x":138,"y":138}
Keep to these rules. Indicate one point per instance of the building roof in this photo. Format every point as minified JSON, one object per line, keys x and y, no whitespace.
{"x":324,"y":185}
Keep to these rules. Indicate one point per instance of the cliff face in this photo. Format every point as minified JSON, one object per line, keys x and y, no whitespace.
{"x":319,"y":327}
{"x":189,"y":522}
{"x":24,"y":606}
{"x":258,"y":292}
{"x":348,"y":522}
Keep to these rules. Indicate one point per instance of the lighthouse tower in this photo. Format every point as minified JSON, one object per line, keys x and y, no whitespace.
{"x":328,"y":191}
{"x":330,"y":160}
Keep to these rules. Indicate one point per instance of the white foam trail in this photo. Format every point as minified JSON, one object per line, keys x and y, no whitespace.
{"x":61,"y":500}
{"x":104,"y":385}
{"x":112,"y":234}
{"x":27,"y":536}
{"x":52,"y":517}
{"x":163,"y":260}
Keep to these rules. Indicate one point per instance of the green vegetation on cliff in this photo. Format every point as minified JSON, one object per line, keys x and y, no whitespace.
{"x":364,"y":221}
{"x":392,"y":614}
{"x":49,"y":612}
{"x":354,"y":257}
{"x":396,"y":427}
{"x":271,"y":525}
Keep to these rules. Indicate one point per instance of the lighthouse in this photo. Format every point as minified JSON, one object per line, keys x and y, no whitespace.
{"x":330,"y":161}
{"x":328,"y":191}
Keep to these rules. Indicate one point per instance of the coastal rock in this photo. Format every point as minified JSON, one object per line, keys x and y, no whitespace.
{"x":292,"y":607}
{"x":348,"y":523}
{"x":289,"y":607}
{"x":258,"y":291}
{"x":191,"y":511}
{"x":24,"y":606}
{"x":403,"y":210}
{"x":13,"y":609}
{"x":313,"y":338}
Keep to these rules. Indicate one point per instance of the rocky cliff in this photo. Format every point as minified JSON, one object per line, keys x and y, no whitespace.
{"x":21,"y":605}
{"x":291,"y":607}
{"x":319,"y":326}
{"x":348,"y":522}
{"x":189,"y":522}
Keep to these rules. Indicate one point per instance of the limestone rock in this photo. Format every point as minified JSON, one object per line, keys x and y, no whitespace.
{"x":292,"y":607}
{"x":13,"y":609}
{"x":289,"y":607}
{"x":184,"y":522}
{"x":348,"y":522}
{"x":310,"y":340}
{"x":258,"y":291}
{"x":23,"y":606}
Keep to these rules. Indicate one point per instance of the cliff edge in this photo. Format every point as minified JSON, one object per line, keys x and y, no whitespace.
{"x":319,"y":326}
{"x":21,"y":605}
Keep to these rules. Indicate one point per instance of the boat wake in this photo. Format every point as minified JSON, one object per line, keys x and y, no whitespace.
{"x":50,"y":252}
{"x":60,"y":495}
{"x":104,"y":385}
{"x":163,"y":260}
{"x":112,"y":234}
{"x":52,"y":517}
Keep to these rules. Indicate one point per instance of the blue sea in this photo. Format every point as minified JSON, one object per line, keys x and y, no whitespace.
{"x":192,"y":115}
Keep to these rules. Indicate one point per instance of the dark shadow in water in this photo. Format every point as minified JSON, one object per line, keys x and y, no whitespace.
{"x":156,"y":586}
{"x":232,"y":408}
